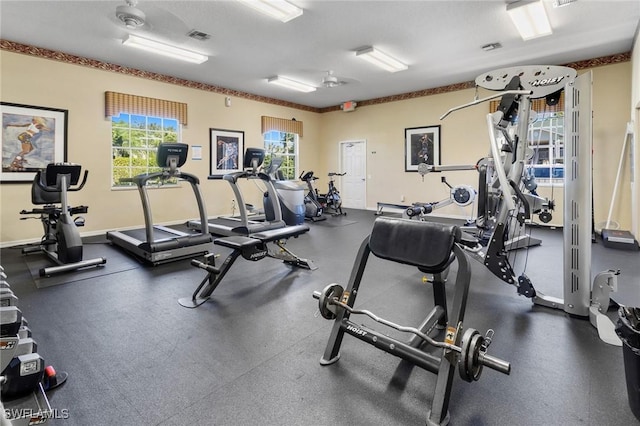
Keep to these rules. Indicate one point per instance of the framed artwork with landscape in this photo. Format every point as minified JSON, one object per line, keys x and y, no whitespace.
{"x":32,"y":137}
{"x":227,"y":148}
{"x":421,"y":145}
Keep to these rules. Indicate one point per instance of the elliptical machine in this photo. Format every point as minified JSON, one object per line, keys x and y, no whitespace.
{"x":314,"y":206}
{"x":61,"y":241}
{"x":290,"y":195}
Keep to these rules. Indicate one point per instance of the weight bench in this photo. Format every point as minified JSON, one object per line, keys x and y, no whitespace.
{"x":431,"y":247}
{"x":253,"y":247}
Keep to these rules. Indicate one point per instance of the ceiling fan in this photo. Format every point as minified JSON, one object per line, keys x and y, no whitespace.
{"x":130,"y":15}
{"x":157,"y":20}
{"x":330,"y":80}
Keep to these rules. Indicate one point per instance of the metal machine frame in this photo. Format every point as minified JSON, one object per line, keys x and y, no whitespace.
{"x":61,"y":241}
{"x":431,"y":247}
{"x":248,"y":239}
{"x":518,"y":86}
{"x":174,"y":245}
{"x":243,"y":225}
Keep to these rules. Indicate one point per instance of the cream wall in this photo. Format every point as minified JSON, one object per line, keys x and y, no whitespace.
{"x":34,"y":81}
{"x":465,"y":140}
{"x":463,"y":137}
{"x":80,"y":90}
{"x":635,"y":117}
{"x":611,"y":97}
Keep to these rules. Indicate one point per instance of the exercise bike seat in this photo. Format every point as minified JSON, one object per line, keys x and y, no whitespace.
{"x":41,"y":197}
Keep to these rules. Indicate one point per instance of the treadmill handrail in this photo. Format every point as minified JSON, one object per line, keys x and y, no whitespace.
{"x":142,"y":179}
{"x":189,"y":178}
{"x":263,"y":176}
{"x":193,"y":180}
{"x":233,"y":177}
{"x":245,"y":174}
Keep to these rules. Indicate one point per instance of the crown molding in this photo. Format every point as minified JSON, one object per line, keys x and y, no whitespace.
{"x":106,"y":66}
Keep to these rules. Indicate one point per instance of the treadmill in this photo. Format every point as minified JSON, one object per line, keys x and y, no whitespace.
{"x":159,"y":244}
{"x":242,"y":224}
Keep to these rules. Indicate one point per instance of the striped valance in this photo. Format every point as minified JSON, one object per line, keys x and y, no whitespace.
{"x":538,"y":105}
{"x":281,"y":125}
{"x":116,"y":103}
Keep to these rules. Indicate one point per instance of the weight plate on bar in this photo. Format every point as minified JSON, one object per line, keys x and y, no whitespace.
{"x":470,"y":367}
{"x":327,"y":310}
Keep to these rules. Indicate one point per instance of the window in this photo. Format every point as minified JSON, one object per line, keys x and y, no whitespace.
{"x":546,"y":139}
{"x":284,"y":145}
{"x":135,"y":140}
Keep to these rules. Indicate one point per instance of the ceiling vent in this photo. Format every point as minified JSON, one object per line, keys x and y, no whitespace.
{"x":198,"y":35}
{"x":132,"y":17}
{"x":491,"y":46}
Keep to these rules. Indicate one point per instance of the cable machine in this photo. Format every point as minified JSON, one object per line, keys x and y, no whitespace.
{"x":506,"y":200}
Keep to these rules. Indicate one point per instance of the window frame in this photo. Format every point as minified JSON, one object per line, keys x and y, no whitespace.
{"x":142,"y":127}
{"x":270,"y":139}
{"x":550,"y":173}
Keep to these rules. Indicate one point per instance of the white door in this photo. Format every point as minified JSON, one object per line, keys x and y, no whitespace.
{"x":353,"y":185}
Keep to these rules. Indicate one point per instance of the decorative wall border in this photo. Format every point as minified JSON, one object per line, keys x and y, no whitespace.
{"x":105,"y":66}
{"x":579,"y":65}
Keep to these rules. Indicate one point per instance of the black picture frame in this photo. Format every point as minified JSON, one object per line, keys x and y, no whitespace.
{"x":422,"y":145}
{"x":32,"y":137}
{"x":226,"y":151}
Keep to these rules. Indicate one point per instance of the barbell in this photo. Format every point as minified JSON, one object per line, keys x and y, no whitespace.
{"x":472,"y":349}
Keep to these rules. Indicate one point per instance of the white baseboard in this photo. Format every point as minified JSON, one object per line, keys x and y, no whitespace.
{"x":85,"y":234}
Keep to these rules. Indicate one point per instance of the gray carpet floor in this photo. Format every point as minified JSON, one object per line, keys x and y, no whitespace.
{"x":250,"y":356}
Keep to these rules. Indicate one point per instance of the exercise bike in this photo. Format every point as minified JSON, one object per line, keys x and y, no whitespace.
{"x":313,"y":205}
{"x":332,"y":198}
{"x":61,"y":241}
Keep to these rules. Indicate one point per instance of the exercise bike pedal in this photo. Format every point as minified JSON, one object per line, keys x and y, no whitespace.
{"x":79,"y":221}
{"x":53,"y":379}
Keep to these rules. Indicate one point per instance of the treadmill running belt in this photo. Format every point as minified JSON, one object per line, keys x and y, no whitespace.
{"x":158,"y":234}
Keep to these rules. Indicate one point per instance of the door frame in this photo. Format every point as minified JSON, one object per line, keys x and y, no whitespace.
{"x":341,"y":164}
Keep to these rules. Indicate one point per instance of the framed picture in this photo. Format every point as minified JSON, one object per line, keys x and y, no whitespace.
{"x":227,"y":148}
{"x":421,"y":145}
{"x":32,"y":137}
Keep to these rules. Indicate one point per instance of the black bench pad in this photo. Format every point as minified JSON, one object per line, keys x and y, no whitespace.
{"x":237,"y":242}
{"x":279,"y":233}
{"x":426,"y":245}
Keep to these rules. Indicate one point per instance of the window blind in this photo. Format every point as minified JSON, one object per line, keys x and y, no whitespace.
{"x":281,"y":125}
{"x":116,"y":103}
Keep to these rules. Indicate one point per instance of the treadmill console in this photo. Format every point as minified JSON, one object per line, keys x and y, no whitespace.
{"x":172,"y":155}
{"x":253,"y":158}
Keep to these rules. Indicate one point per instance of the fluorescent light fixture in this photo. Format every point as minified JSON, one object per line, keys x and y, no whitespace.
{"x":384,"y":61}
{"x":291,"y":84}
{"x":164,"y":49}
{"x":530,"y":18}
{"x":279,"y":9}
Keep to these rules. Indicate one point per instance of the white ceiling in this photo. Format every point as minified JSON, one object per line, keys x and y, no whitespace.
{"x":439,"y":40}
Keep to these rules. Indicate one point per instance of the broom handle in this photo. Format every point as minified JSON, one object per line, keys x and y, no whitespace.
{"x":615,"y":187}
